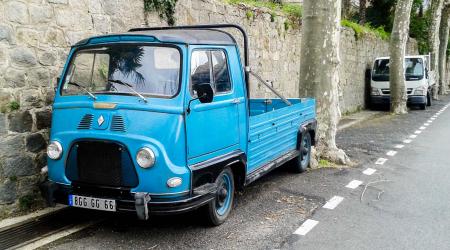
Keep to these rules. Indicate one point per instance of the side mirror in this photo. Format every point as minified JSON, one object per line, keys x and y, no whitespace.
{"x":204,"y":91}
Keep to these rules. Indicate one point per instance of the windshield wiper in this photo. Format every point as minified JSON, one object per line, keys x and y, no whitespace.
{"x":129,"y":86}
{"x":83,"y":88}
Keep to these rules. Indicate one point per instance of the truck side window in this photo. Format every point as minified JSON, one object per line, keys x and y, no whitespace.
{"x":220,"y":72}
{"x":210,"y":66}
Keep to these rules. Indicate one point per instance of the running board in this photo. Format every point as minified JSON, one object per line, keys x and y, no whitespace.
{"x":253,"y":176}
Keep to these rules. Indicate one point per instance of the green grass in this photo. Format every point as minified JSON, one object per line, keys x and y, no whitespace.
{"x":293,"y":11}
{"x":14,"y":105}
{"x":324,"y":163}
{"x":361,"y":30}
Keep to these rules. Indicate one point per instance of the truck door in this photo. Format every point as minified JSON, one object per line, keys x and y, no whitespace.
{"x":212,"y":128}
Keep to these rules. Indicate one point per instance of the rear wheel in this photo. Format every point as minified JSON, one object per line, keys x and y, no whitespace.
{"x":301,"y":162}
{"x":218,"y":209}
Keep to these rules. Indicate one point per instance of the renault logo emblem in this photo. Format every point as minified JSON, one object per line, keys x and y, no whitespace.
{"x":100,"y":120}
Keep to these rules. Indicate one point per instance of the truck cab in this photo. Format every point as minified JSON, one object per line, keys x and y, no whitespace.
{"x":418,"y":87}
{"x":159,"y":121}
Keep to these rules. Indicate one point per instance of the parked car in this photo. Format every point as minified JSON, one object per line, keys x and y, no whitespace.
{"x":418,"y":86}
{"x":159,"y":121}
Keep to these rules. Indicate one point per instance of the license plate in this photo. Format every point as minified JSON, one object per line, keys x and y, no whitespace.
{"x":92,"y":203}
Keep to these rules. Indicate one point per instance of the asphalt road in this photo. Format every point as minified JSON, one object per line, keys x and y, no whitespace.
{"x":405,"y":205}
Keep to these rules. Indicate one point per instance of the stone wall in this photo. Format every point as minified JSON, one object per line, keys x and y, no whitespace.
{"x":35,"y":37}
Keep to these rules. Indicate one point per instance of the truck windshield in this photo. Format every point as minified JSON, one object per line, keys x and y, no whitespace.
{"x":414,"y":69}
{"x":148,"y":70}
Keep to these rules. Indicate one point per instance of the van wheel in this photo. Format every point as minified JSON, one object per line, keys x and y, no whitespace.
{"x":423,"y":106}
{"x":429,"y":99}
{"x":301,"y":162}
{"x":218,"y":209}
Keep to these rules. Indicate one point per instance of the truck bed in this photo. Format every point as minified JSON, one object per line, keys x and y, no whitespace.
{"x":273,"y":128}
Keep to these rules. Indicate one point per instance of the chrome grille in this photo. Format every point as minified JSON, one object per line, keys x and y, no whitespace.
{"x":86,"y":122}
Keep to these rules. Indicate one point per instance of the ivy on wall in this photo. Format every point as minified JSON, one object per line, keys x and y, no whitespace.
{"x":165,"y":9}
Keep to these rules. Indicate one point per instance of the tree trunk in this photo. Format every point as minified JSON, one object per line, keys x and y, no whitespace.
{"x":433,"y":41}
{"x":362,"y":11}
{"x":397,"y":48}
{"x":443,"y":37}
{"x":346,"y":6}
{"x":319,"y":70}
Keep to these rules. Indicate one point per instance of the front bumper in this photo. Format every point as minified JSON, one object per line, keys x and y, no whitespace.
{"x":385,"y":100}
{"x":142,"y":204}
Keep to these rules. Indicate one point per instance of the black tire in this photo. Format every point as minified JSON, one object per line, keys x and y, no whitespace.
{"x":423,"y":106}
{"x":217,"y":210}
{"x":301,"y":162}
{"x":429,"y":99}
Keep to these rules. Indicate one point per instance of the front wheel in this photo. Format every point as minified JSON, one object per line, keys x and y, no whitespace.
{"x":429,"y":99}
{"x":301,"y":162}
{"x":218,"y":209}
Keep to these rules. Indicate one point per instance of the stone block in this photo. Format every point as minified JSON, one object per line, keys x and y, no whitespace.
{"x":55,"y":37}
{"x":3,"y":129}
{"x":35,"y":142}
{"x":23,"y":57}
{"x":39,"y":78}
{"x":28,"y":36}
{"x":12,"y":145}
{"x":20,"y":121}
{"x":15,"y":78}
{"x":22,"y":165}
{"x":47,"y":58}
{"x":102,"y":23}
{"x":30,"y":98}
{"x":43,"y":119}
{"x":6,"y":34}
{"x":8,"y":192}
{"x":40,"y":14}
{"x":17,"y":12}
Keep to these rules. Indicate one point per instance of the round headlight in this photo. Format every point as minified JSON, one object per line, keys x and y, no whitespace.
{"x":145,"y":158}
{"x":54,"y":150}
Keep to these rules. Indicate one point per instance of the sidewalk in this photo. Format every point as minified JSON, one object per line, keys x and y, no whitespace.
{"x":352,"y":119}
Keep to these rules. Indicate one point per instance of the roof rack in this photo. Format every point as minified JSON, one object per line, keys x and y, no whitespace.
{"x":212,"y":26}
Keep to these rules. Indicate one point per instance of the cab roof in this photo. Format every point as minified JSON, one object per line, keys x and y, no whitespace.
{"x":185,"y":36}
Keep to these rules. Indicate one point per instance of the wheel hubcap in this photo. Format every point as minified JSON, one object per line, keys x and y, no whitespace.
{"x":223,"y":195}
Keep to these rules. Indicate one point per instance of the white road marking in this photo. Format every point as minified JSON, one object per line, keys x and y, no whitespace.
{"x":381,"y":161}
{"x":369,"y":171}
{"x":412,"y":136}
{"x":407,"y":141}
{"x":417,"y":132}
{"x":399,"y":146}
{"x":354,"y":184}
{"x":391,"y":153}
{"x":306,"y":227}
{"x":422,"y":128}
{"x":426,"y":124}
{"x":333,"y":202}
{"x":433,"y":118}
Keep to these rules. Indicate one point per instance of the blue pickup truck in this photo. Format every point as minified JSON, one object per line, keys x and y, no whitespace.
{"x":159,"y":121}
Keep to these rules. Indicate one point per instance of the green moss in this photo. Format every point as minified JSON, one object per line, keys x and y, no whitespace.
{"x":26,"y":202}
{"x":14,"y":105}
{"x":361,"y":30}
{"x":249,"y":14}
{"x":165,"y":9}
{"x":292,"y":11}
{"x":273,"y":15}
{"x":13,"y":178}
{"x":286,"y":25}
{"x":324,"y":163}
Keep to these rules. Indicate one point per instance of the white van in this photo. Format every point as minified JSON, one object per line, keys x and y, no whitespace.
{"x":418,"y":86}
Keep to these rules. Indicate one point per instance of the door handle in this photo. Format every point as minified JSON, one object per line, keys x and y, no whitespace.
{"x":236,"y":101}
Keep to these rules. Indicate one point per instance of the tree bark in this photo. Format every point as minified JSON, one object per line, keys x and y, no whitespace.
{"x":397,"y":48}
{"x":443,"y":37}
{"x":433,"y":41}
{"x":346,"y":6}
{"x":362,"y":11}
{"x":319,"y":70}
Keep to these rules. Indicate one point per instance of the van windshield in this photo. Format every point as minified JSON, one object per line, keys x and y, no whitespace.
{"x":122,"y":68}
{"x":414,"y":69}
